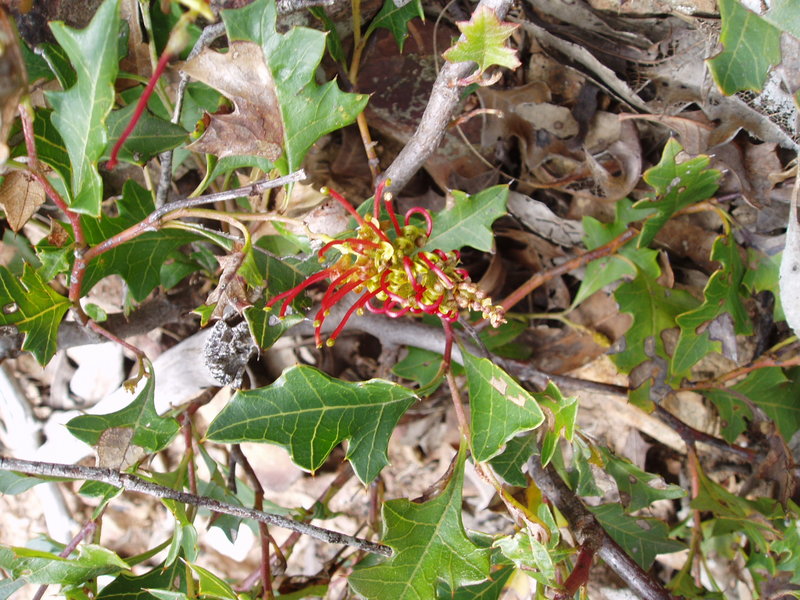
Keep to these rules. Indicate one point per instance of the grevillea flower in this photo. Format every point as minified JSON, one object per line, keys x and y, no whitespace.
{"x":384,"y":262}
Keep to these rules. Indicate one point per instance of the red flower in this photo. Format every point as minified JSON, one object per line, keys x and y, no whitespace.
{"x":384,"y":263}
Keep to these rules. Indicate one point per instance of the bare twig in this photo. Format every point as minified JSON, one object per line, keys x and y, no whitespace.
{"x":590,"y":531}
{"x":133,"y":483}
{"x":86,"y":531}
{"x":438,"y":114}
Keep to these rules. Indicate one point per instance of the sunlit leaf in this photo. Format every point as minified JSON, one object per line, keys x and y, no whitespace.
{"x":485,"y":41}
{"x":36,"y":566}
{"x":469,"y":221}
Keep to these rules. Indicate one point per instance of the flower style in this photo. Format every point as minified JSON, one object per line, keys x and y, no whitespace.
{"x":385,"y":263}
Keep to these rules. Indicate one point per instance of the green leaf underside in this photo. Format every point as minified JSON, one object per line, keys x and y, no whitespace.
{"x":310,"y":413}
{"x":151,"y":136}
{"x":722,"y":297}
{"x":751,"y":47}
{"x":37,"y":567}
{"x":430,"y":545}
{"x":488,"y":590}
{"x":641,"y":537}
{"x":79,"y":113}
{"x":508,"y":464}
{"x":768,"y":388}
{"x":469,"y":221}
{"x":639,"y":487}
{"x":34,"y":308}
{"x":677,"y":186}
{"x":309,"y":110}
{"x":484,"y":42}
{"x":395,"y":19}
{"x":500,"y":408}
{"x":138,"y":261}
{"x":150,"y":431}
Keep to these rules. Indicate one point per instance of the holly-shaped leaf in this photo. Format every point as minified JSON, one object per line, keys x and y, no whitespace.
{"x":641,"y":537}
{"x":310,"y":413}
{"x":395,"y":18}
{"x":38,"y":567}
{"x":151,"y":136}
{"x":722,"y":297}
{"x":430,"y":545}
{"x":484,"y":42}
{"x":529,"y":554}
{"x":145,"y":428}
{"x":637,"y":488}
{"x":469,"y":221}
{"x":500,"y":408}
{"x":509,"y":463}
{"x":488,"y":590}
{"x":677,"y":186}
{"x":561,"y":422}
{"x":79,"y":113}
{"x":308,"y":110}
{"x":34,"y":308}
{"x":751,"y":46}
{"x":138,"y":261}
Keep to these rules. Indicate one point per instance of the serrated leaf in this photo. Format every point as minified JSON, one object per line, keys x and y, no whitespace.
{"x":265,"y":326}
{"x":751,"y":47}
{"x":135,"y":587}
{"x":150,"y":431}
{"x":654,"y":308}
{"x":395,"y":18}
{"x":722,"y":295}
{"x":419,"y":365}
{"x":310,"y":413}
{"x":768,"y":388}
{"x":34,"y":308}
{"x":469,"y":221}
{"x":79,"y":113}
{"x":638,"y":488}
{"x":788,"y":549}
{"x":677,"y":186}
{"x":488,"y":590}
{"x":430,"y":545}
{"x":508,"y":464}
{"x":641,"y":537}
{"x":529,"y":554}
{"x":500,"y":408}
{"x":38,"y":567}
{"x":151,"y":136}
{"x":309,"y":110}
{"x":485,"y":41}
{"x":138,"y":261}
{"x":785,"y":15}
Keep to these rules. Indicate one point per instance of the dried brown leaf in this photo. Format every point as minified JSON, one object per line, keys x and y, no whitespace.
{"x":20,"y":195}
{"x":255,"y":127}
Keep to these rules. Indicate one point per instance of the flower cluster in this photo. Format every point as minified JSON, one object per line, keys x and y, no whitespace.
{"x":384,"y":262}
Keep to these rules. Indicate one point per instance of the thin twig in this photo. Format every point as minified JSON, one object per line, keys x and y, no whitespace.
{"x":444,"y":99}
{"x":133,"y":483}
{"x":86,"y":531}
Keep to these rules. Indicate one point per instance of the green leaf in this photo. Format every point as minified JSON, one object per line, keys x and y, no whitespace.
{"x":309,"y":110}
{"x":788,"y":549}
{"x":485,"y":37}
{"x":151,"y":136}
{"x":677,"y":186}
{"x":638,"y":489}
{"x":529,"y":554}
{"x":469,"y":221}
{"x":508,"y":464}
{"x":422,"y":366}
{"x":430,"y":545}
{"x":211,"y":585}
{"x":641,"y":537}
{"x":12,"y":483}
{"x":138,"y":261}
{"x":751,"y":47}
{"x":768,"y":388}
{"x":395,"y":19}
{"x":722,"y":296}
{"x":79,"y":113}
{"x":561,"y":422}
{"x":34,"y":308}
{"x":488,"y":590}
{"x":150,"y":431}
{"x":35,"y":566}
{"x":310,"y":413}
{"x":500,"y":408}
{"x":135,"y":587}
{"x":265,"y":326}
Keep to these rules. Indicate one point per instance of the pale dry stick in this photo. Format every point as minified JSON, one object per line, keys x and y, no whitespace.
{"x":132,"y":483}
{"x":439,"y":112}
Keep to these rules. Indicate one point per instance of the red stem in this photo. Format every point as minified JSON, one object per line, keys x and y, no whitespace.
{"x":140,"y":107}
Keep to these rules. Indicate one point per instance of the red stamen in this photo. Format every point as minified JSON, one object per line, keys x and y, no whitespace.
{"x":395,"y":313}
{"x":446,"y":281}
{"x":295,"y":291}
{"x":347,"y":206}
{"x":376,"y":207}
{"x":352,"y":241}
{"x":140,"y":106}
{"x":356,"y":305}
{"x":376,"y":310}
{"x":334,"y":284}
{"x":385,"y":289}
{"x":425,"y":215}
{"x":407,"y":265}
{"x":431,"y":309}
{"x":387,"y":200}
{"x":441,"y":254}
